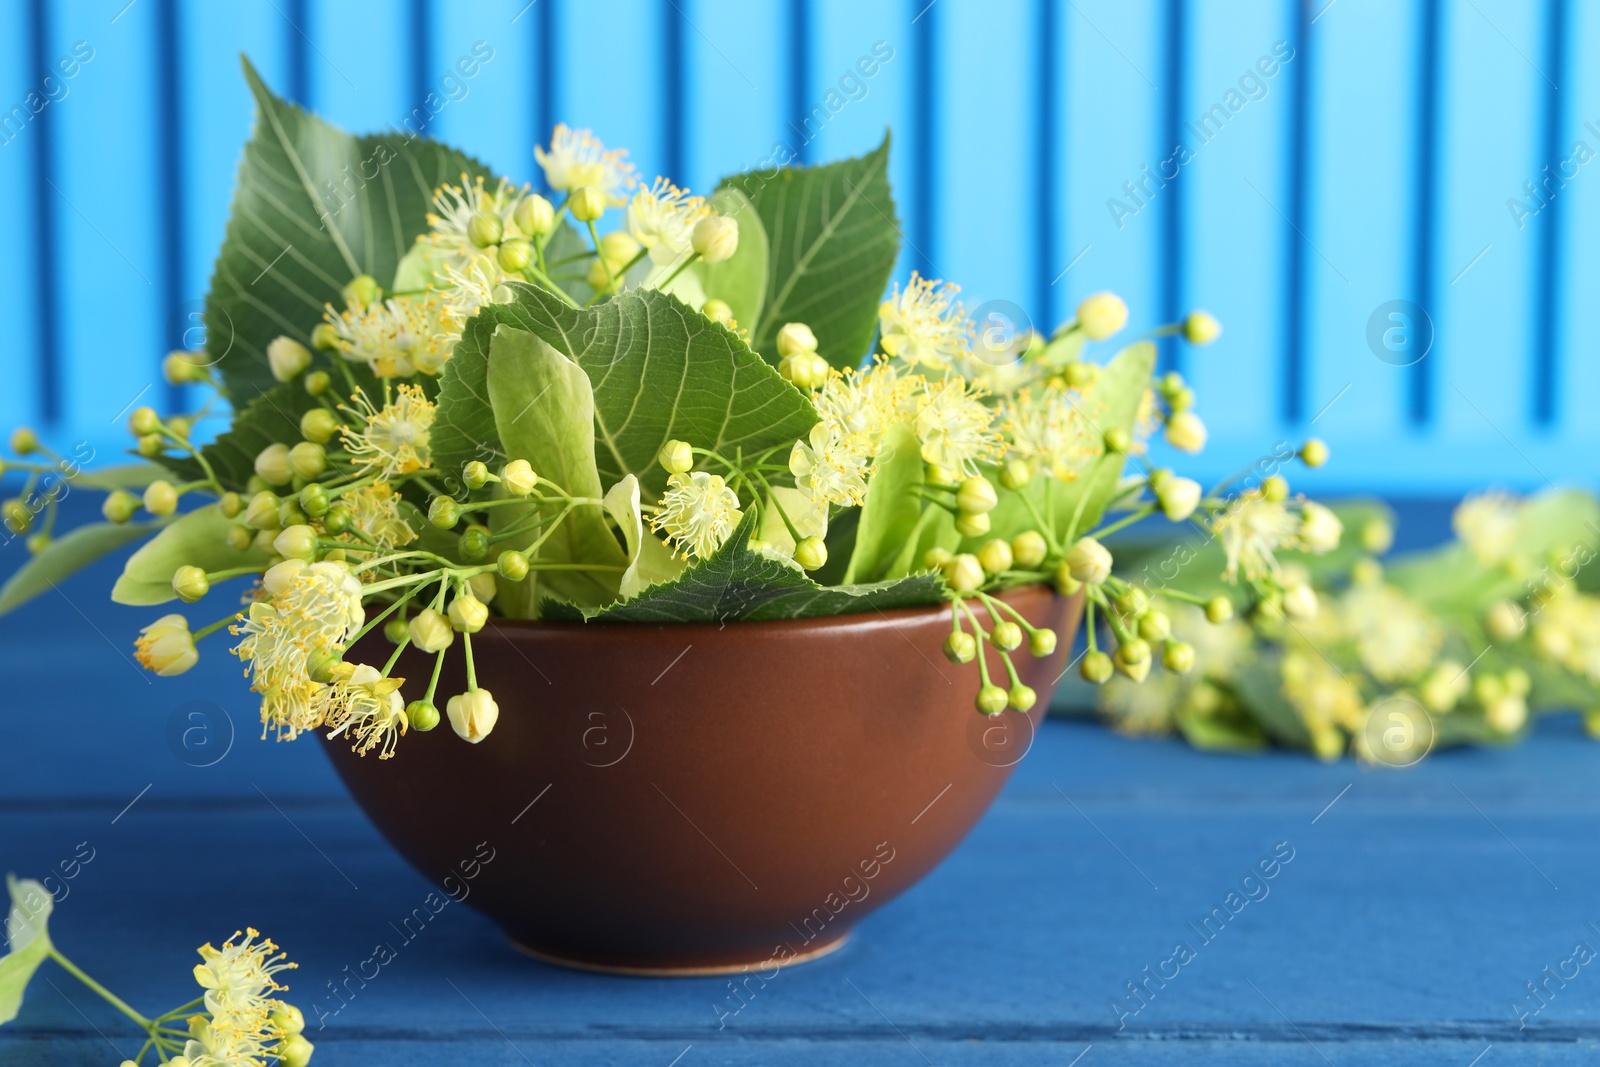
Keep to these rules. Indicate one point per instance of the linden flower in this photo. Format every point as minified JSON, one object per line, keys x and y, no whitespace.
{"x":1396,"y":639}
{"x":395,"y":438}
{"x":375,"y":514}
{"x":866,"y":402}
{"x":238,"y":976}
{"x":923,"y":325}
{"x":396,"y":337}
{"x":463,"y":290}
{"x":166,"y":647}
{"x":369,"y":709}
{"x":217,"y":1044}
{"x":1251,"y":530}
{"x":454,"y":209}
{"x":1048,"y":428}
{"x":1487,"y":523}
{"x":953,"y":425}
{"x":662,"y":219}
{"x":311,"y":610}
{"x":1568,"y":632}
{"x":1320,"y":694}
{"x":831,"y":467}
{"x":698,"y":513}
{"x":576,"y":159}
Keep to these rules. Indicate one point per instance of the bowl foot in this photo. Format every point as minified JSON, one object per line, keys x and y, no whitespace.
{"x":816,"y":952}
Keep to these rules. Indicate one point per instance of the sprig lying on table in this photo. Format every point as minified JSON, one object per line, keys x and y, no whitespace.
{"x":1462,"y":644}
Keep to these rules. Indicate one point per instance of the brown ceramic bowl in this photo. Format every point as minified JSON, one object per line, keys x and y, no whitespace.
{"x":696,"y":798}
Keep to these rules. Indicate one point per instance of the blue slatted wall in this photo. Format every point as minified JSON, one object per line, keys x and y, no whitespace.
{"x":1336,"y":158}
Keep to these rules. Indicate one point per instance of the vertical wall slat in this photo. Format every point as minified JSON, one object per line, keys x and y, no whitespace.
{"x":737,"y":85}
{"x":621,"y":100}
{"x":20,"y":136}
{"x":485,"y":107}
{"x":1236,"y":191}
{"x":1489,"y":146}
{"x":104,"y":182}
{"x":1548,"y":283}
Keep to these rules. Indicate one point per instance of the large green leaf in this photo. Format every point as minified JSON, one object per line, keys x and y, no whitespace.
{"x":659,"y":371}
{"x":544,"y":413}
{"x":735,"y":584}
{"x":67,"y":555}
{"x":649,"y":560}
{"x":198,"y":538}
{"x":314,"y":207}
{"x":832,"y":240}
{"x":739,"y":281}
{"x":893,"y":508}
{"x":27,"y":930}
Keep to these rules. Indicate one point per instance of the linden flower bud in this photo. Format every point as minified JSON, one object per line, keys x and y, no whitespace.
{"x":1186,"y":432}
{"x":1314,"y":453}
{"x":1101,"y":315}
{"x":1006,"y":636}
{"x":474,"y":542}
{"x":287,"y":1019}
{"x":794,"y":338}
{"x":1132,"y":602}
{"x":18,"y":517}
{"x":960,"y":647}
{"x":972,"y":525}
{"x":1219,"y":609}
{"x":1275,"y":489}
{"x":1079,"y":374}
{"x":1505,"y":622}
{"x":485,"y":229}
{"x":963,"y":573}
{"x":423,"y":715}
{"x":1201,"y":328}
{"x":935,"y":558}
{"x":515,"y":255}
{"x":262,"y":541}
{"x":362,"y":290}
{"x":1028,"y":549}
{"x":1117,"y":440}
{"x":190,"y":583}
{"x":291,"y":514}
{"x":473,"y":714}
{"x":1320,"y":528}
{"x":1016,"y":473}
{"x":940,"y":476}
{"x":618,"y":249}
{"x":715,"y":237}
{"x":151,"y":445}
{"x":396,"y":630}
{"x":262,"y":511}
{"x":512,"y":565}
{"x":160,"y":498}
{"x":1042,"y":642}
{"x":992,"y":700}
{"x":182,"y":366}
{"x":811,"y":553}
{"x":444,"y":513}
{"x":1089,"y":561}
{"x":231,"y":505}
{"x":431,"y":632}
{"x":1155,"y":626}
{"x":1095,"y":668}
{"x":676,"y":457}
{"x":976,"y":496}
{"x":518,"y":477}
{"x":293,"y":1051}
{"x":1178,"y":497}
{"x":317,"y":382}
{"x":717,"y":311}
{"x":995,"y":556}
{"x":534,"y":215}
{"x":1377,"y":536}
{"x":307,"y":459}
{"x":468,"y":613}
{"x":319,"y":425}
{"x":119,"y":506}
{"x":287,"y":358}
{"x":324,"y":338}
{"x":1133,"y":659}
{"x":296,"y":542}
{"x":483,"y":586}
{"x":144,"y":421}
{"x":476,"y":474}
{"x":1065,"y":583}
{"x":1178,"y":657}
{"x":24,"y":441}
{"x":272,"y":464}
{"x":166,"y":647}
{"x":1021,"y":698}
{"x":314,"y":501}
{"x":587,"y":204}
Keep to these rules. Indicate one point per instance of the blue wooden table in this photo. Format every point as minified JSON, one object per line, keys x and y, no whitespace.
{"x":1407,"y":916}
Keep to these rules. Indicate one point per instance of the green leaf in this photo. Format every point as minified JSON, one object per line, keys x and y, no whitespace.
{"x":1220,"y":733}
{"x":65,"y":556}
{"x":893,"y":507}
{"x":1260,"y":689}
{"x":833,"y":241}
{"x":273,"y":417}
{"x":735,"y":584}
{"x":659,"y":369}
{"x":198,"y":538}
{"x":544,"y":413}
{"x":935,"y":529}
{"x":27,"y":930}
{"x":650,"y":562}
{"x":314,"y":207}
{"x":739,"y":281}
